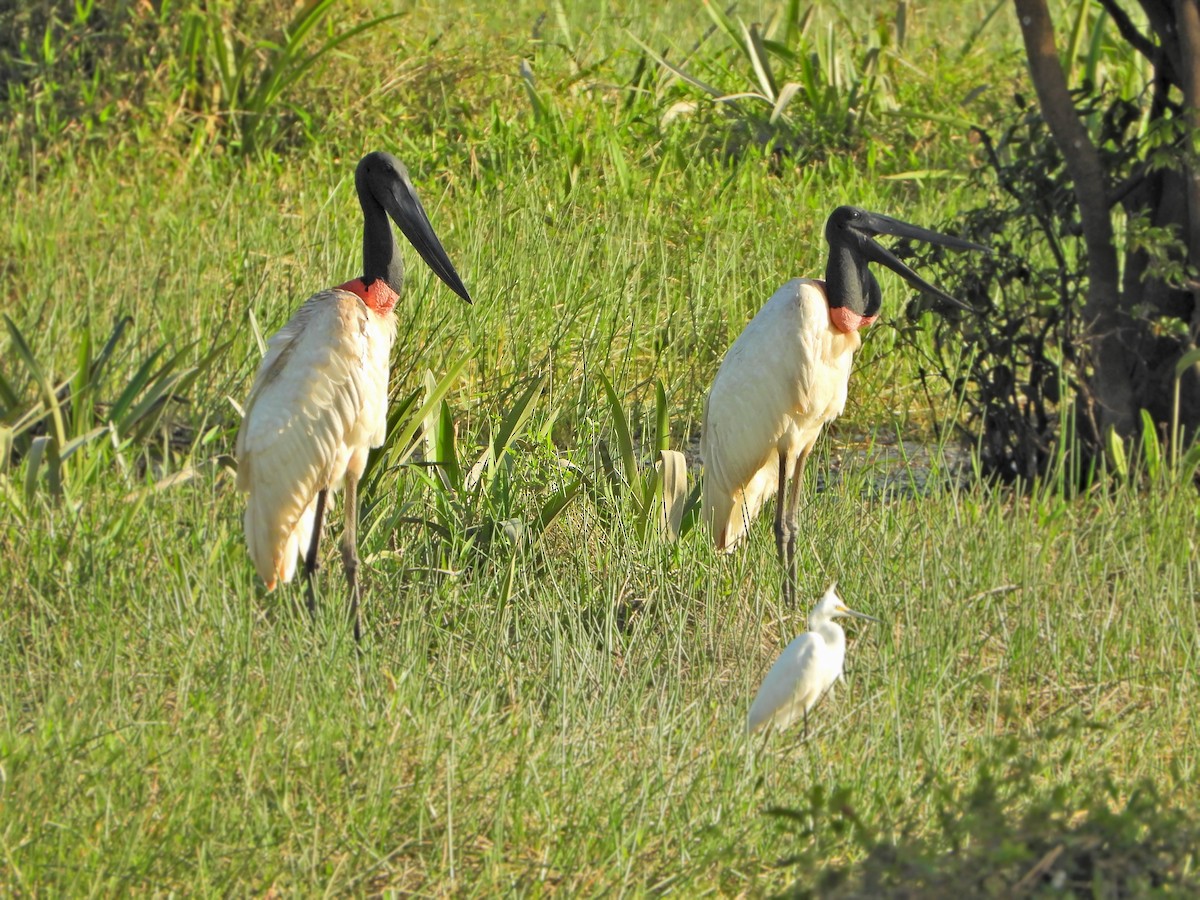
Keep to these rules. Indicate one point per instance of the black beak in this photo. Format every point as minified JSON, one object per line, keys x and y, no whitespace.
{"x":404,"y":206}
{"x":870,"y":224}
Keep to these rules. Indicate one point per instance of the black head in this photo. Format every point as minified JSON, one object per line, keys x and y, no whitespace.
{"x":851,"y":233}
{"x":384,"y":187}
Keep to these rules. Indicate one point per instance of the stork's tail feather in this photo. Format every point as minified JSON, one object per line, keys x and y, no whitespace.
{"x":722,"y":512}
{"x":275,"y":544}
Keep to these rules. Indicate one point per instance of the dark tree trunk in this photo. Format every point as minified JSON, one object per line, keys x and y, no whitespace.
{"x":1112,"y":403}
{"x":1132,"y":366}
{"x":1187,"y":21}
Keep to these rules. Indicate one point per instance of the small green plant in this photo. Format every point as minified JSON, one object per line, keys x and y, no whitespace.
{"x":778,"y":84}
{"x":65,"y":417}
{"x":657,"y":494}
{"x":479,"y":504}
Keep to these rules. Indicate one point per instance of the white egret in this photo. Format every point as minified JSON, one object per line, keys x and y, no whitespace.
{"x":786,"y":377}
{"x":806,"y":669}
{"x":319,"y":400}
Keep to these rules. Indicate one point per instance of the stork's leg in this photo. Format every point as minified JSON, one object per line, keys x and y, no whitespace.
{"x":792,"y":517}
{"x":781,"y":526}
{"x":311,"y":562}
{"x":350,"y":549}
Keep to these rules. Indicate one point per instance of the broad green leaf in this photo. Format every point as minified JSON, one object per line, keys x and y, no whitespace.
{"x":760,"y":61}
{"x":401,"y":442}
{"x":781,"y":102}
{"x":33,"y":466}
{"x":1189,"y":359}
{"x":1150,"y":446}
{"x":49,"y":397}
{"x":1116,"y":452}
{"x":624,"y":438}
{"x":446,"y":448}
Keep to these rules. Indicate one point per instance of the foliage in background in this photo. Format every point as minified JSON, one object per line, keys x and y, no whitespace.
{"x":803,"y":85}
{"x":67,"y":432}
{"x":1136,"y":211}
{"x":226,"y":73}
{"x":1026,"y":377}
{"x":473,"y":506}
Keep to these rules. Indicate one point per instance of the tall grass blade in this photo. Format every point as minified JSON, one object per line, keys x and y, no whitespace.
{"x":624,"y":438}
{"x":690,"y":79}
{"x":760,"y":61}
{"x":6,"y":449}
{"x":81,"y":385}
{"x":49,"y":397}
{"x":781,"y":102}
{"x":400,"y":443}
{"x":516,"y":418}
{"x":1151,"y":451}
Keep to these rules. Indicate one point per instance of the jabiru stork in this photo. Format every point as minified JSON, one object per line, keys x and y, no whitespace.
{"x":319,"y":401}
{"x":786,"y":375}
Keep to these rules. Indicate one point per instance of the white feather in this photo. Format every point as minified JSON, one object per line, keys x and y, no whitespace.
{"x":317,"y":406}
{"x":783,"y":379}
{"x":807,"y":668}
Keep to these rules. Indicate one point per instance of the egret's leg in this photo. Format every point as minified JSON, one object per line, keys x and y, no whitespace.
{"x":350,"y":549}
{"x":793,"y":518}
{"x":311,"y":562}
{"x":781,"y":526}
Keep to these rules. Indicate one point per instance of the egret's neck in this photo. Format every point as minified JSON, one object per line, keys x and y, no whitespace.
{"x":835,"y":639}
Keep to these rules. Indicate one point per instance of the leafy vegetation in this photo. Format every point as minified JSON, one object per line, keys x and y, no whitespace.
{"x":548,"y":698}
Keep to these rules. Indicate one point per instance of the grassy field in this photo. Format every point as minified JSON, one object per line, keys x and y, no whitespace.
{"x":567,"y":717}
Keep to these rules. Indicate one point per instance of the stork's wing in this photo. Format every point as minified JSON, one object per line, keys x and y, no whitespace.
{"x":304,"y":416}
{"x":762,"y":384}
{"x":789,"y":685}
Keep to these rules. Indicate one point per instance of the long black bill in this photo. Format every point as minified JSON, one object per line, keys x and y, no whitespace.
{"x":404,"y":206}
{"x":876,"y":252}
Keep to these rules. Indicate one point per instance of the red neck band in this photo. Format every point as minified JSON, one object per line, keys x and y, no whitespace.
{"x":847,"y":321}
{"x":379,"y":297}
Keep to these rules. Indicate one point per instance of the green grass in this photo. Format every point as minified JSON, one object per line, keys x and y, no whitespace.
{"x":569,"y":718}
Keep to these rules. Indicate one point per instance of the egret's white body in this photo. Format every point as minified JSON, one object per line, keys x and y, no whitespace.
{"x":785,"y":377}
{"x":807,"y":668}
{"x":317,"y":407}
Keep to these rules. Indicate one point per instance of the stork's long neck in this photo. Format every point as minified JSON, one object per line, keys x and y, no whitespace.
{"x":851,"y":289}
{"x":381,"y":255}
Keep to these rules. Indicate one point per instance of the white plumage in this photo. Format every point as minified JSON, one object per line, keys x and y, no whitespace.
{"x":317,"y":407}
{"x":319,"y":401}
{"x":807,"y":668}
{"x":785,"y":377}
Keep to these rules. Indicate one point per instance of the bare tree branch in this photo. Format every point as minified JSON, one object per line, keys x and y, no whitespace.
{"x":1129,"y":31}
